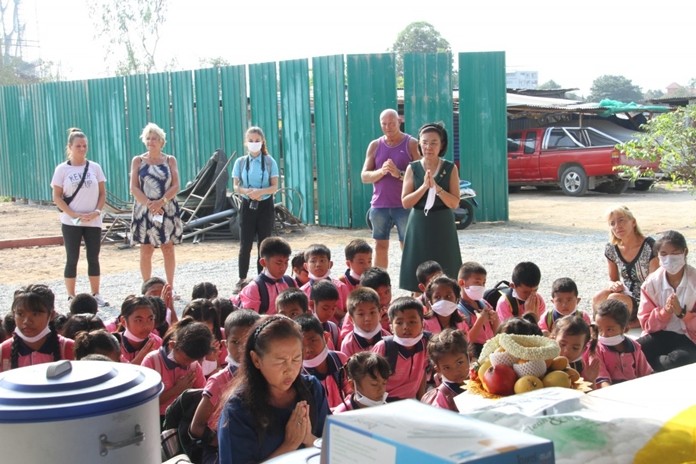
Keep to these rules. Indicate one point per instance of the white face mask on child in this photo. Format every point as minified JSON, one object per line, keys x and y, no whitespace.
{"x":317,"y":360}
{"x":475,"y":292}
{"x":444,"y":308}
{"x":354,"y":275}
{"x":35,"y":338}
{"x":672,"y":263}
{"x":367,"y":335}
{"x":611,"y":341}
{"x":365,"y":401}
{"x":130,"y":336}
{"x":408,"y":342}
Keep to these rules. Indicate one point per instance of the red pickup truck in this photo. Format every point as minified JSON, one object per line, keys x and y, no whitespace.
{"x":574,"y":158}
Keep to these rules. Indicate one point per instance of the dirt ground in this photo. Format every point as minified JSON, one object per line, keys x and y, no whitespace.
{"x":660,"y":209}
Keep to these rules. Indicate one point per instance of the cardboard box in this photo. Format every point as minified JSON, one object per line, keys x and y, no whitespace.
{"x":410,"y":432}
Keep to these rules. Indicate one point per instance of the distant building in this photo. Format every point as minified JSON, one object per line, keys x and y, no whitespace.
{"x":522,"y":80}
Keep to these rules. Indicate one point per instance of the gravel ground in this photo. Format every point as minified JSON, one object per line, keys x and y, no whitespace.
{"x":497,"y":246}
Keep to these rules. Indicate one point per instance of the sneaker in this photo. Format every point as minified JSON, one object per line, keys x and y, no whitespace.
{"x":101,"y":302}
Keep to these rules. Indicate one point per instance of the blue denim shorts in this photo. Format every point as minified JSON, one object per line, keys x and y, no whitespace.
{"x":383,"y":219}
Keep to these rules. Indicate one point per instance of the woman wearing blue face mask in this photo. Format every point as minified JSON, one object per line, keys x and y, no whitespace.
{"x":255,"y":178}
{"x":667,"y":310}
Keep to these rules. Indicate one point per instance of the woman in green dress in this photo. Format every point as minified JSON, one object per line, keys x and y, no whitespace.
{"x":431,"y":190}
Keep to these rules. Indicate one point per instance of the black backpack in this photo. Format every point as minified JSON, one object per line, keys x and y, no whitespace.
{"x":502,"y":288}
{"x":179,"y":416}
{"x":263,"y":291}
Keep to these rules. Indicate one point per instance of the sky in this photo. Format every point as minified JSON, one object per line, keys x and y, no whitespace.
{"x":570,"y":42}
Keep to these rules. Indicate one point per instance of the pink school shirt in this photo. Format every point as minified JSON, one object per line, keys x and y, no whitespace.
{"x":250,"y":298}
{"x":409,"y":372}
{"x":214,"y":388}
{"x":543,"y":323}
{"x":348,"y":324}
{"x":128,"y":353}
{"x":433,"y":326}
{"x":336,"y":361}
{"x":441,"y":397}
{"x":348,"y":280}
{"x":29,"y":357}
{"x":171,"y":372}
{"x":470,"y":317}
{"x":353,"y":343}
{"x":617,"y":367}
{"x":504,"y":309}
{"x":346,"y":405}
{"x":340,"y":286}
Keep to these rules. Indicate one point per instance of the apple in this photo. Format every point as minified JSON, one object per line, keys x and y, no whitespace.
{"x":482,"y":370}
{"x":557,"y":379}
{"x":500,"y":380}
{"x":528,"y":383}
{"x":573,"y":374}
{"x":559,"y":363}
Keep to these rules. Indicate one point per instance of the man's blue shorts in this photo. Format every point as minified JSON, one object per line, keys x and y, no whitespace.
{"x":383,"y":219}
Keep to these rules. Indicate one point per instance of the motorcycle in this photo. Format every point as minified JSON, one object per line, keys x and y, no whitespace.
{"x":463,"y":214}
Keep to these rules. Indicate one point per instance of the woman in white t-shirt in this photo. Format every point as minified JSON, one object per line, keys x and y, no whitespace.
{"x":80,"y":201}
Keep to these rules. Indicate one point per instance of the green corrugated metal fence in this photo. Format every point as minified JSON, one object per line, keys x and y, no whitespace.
{"x":318,"y":123}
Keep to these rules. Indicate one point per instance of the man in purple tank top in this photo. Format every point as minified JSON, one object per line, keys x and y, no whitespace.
{"x":385,"y":162}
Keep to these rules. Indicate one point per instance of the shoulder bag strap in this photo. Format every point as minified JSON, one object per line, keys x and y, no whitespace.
{"x":67,"y":200}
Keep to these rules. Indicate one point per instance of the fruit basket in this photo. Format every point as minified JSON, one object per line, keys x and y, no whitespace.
{"x":511,"y":364}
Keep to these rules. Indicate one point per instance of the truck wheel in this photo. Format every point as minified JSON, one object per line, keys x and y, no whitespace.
{"x":574,"y":181}
{"x":463,"y":215}
{"x":643,"y":185}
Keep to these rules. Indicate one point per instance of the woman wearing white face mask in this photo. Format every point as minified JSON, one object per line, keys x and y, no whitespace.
{"x":255,"y":178}
{"x":667,"y":311}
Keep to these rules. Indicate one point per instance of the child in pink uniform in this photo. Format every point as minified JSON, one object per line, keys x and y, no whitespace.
{"x":138,"y":320}
{"x":176,"y":361}
{"x":564,"y":295}
{"x":368,"y":373}
{"x":35,"y":340}
{"x":203,"y":310}
{"x":620,"y":357}
{"x":442,"y":293}
{"x":405,"y":350}
{"x":479,"y":315}
{"x":363,"y":310}
{"x":275,"y":253}
{"x":99,"y":342}
{"x":323,"y":300}
{"x":524,"y":298}
{"x":320,"y":361}
{"x":358,"y":259}
{"x":318,"y":264}
{"x":292,"y":302}
{"x":449,"y":353}
{"x":573,"y":335}
{"x":205,"y":420}
{"x":378,"y":280}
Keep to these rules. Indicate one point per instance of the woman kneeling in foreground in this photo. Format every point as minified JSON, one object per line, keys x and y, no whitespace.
{"x":272,"y":409}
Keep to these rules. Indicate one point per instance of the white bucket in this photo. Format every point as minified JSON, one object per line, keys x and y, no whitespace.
{"x":80,"y":412}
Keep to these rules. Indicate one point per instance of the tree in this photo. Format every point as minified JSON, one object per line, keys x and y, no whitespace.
{"x":418,"y":37}
{"x":549,"y":85}
{"x":669,"y":138}
{"x":652,"y":94}
{"x":131,"y":29}
{"x":615,"y":88}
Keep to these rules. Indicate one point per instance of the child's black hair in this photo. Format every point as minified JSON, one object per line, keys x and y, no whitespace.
{"x":470,"y":268}
{"x":298,"y":260}
{"x":151,"y":282}
{"x":294,"y":295}
{"x":95,"y":342}
{"x":564,"y":285}
{"x":366,"y":363}
{"x":48,"y":298}
{"x":355,"y":247}
{"x":456,"y":316}
{"x":59,"y":322}
{"x":374,"y":278}
{"x":323,"y":290}
{"x":449,"y":341}
{"x":309,"y":323}
{"x":133,"y":302}
{"x":614,"y":309}
{"x":361,"y":295}
{"x":81,"y":323}
{"x":240,"y":318}
{"x":404,"y":303}
{"x":274,"y":246}
{"x":160,"y":308}
{"x":673,"y":238}
{"x":8,"y":323}
{"x":35,"y":298}
{"x":526,"y":273}
{"x":520,"y":326}
{"x":426,"y":270}
{"x":202,"y":310}
{"x":317,"y":249}
{"x":572,"y":325}
{"x":224,"y":308}
{"x":83,"y":303}
{"x":204,"y":290}
{"x":192,"y":338}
